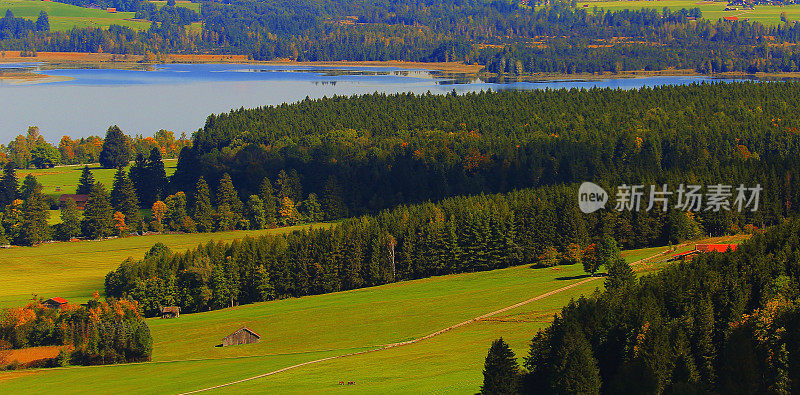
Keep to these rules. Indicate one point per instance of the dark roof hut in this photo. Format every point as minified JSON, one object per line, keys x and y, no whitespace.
{"x":170,"y":312}
{"x":242,"y":336}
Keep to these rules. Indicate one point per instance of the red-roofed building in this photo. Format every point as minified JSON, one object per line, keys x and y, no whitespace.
{"x":731,"y":18}
{"x":55,"y":303}
{"x":700,"y":248}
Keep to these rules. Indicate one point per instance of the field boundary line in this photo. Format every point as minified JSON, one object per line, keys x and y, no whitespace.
{"x":429,"y":336}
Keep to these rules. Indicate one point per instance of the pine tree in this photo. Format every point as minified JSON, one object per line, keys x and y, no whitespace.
{"x":226,"y":194}
{"x":156,"y":175}
{"x":312,"y":208}
{"x":35,"y":214}
{"x":138,"y":175}
{"x":9,"y":185}
{"x":255,"y":212}
{"x":575,"y":367}
{"x":98,"y":215}
{"x":86,"y":182}
{"x":29,"y":186}
{"x":267,"y":196}
{"x":620,"y":273}
{"x":124,"y":199}
{"x":70,"y":219}
{"x":289,"y":185}
{"x":202,"y":212}
{"x":116,"y":151}
{"x":500,"y":371}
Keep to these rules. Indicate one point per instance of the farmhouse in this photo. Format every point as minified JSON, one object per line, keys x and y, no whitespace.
{"x":55,"y":303}
{"x":242,"y":336}
{"x":80,"y":200}
{"x":170,"y":312}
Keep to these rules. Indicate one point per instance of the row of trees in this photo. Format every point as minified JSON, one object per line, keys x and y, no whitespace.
{"x":31,"y":149}
{"x":536,"y":227}
{"x":505,"y":37}
{"x":724,"y":322}
{"x":101,"y":332}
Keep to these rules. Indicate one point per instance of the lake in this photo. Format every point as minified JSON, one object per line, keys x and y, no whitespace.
{"x":179,"y":97}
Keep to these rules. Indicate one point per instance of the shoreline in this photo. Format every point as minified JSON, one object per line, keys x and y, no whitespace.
{"x":50,"y":60}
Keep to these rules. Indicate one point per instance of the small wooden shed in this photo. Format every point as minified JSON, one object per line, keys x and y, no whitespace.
{"x":80,"y":200}
{"x":242,"y":336}
{"x":170,"y":312}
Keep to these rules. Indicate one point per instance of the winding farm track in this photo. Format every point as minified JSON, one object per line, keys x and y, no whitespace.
{"x":434,"y":334}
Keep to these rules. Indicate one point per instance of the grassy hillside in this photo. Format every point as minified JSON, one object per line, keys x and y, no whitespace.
{"x":712,"y":10}
{"x":305,"y":329}
{"x":66,"y":177}
{"x":64,"y":16}
{"x":75,"y":270}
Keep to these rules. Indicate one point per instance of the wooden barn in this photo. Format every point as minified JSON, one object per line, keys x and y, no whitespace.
{"x":55,"y":303}
{"x":170,"y":312}
{"x":80,"y":200}
{"x":242,"y":336}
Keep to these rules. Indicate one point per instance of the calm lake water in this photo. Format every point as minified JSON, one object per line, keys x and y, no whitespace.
{"x":179,"y":97}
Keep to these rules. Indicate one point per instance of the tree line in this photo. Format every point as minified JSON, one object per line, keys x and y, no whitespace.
{"x":724,"y":322}
{"x":506,"y":37}
{"x":541,"y":227}
{"x":97,"y":333}
{"x":31,"y":149}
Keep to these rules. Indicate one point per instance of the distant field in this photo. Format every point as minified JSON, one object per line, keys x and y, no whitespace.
{"x":75,"y":270}
{"x":64,"y":16}
{"x":768,"y":15}
{"x":66,"y":177}
{"x":185,"y":4}
{"x":309,"y":328}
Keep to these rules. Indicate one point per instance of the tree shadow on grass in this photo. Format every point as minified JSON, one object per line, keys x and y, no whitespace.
{"x":578,"y":277}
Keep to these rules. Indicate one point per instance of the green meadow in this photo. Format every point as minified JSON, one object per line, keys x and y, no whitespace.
{"x":185,"y":4}
{"x":304,"y":329}
{"x":64,"y":179}
{"x":712,"y":10}
{"x":75,"y":270}
{"x":64,"y":16}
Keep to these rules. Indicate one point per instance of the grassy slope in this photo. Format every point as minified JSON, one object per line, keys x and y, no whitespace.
{"x":337,"y":324}
{"x":768,"y":15}
{"x":75,"y":270}
{"x":64,"y":16}
{"x":66,"y":177}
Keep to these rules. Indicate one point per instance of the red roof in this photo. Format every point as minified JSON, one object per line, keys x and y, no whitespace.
{"x":716,"y":247}
{"x":59,"y":300}
{"x":731,"y":18}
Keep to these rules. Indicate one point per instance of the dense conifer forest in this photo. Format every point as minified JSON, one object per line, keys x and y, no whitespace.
{"x":723,"y":322}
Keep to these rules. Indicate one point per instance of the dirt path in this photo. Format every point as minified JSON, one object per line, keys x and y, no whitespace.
{"x":434,"y":334}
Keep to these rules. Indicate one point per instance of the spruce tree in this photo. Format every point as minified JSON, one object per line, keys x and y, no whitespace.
{"x":312,"y":208}
{"x":500,"y":370}
{"x":202,"y":212}
{"x":226,"y":194}
{"x":28,"y":187}
{"x":124,"y":199}
{"x":620,"y":273}
{"x":35,"y":214}
{"x":115,"y":151}
{"x":267,"y":195}
{"x":255,"y":212}
{"x":138,"y":175}
{"x":70,"y":219}
{"x":86,"y":182}
{"x":98,"y":215}
{"x":156,"y":175}
{"x":575,"y":370}
{"x":9,"y":185}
